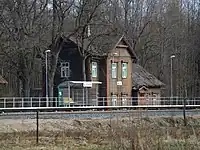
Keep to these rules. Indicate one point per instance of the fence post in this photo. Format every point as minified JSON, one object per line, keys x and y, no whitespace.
{"x":22,"y":102}
{"x":31,"y":102}
{"x":83,"y":97}
{"x":39,"y":102}
{"x":4,"y":101}
{"x":97,"y":100}
{"x":184,"y":111}
{"x":56,"y":102}
{"x":37,"y":124}
{"x":13,"y":102}
{"x":103,"y":102}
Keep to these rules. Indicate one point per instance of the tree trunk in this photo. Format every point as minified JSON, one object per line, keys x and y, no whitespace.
{"x":84,"y":70}
{"x":51,"y":92}
{"x":26,"y":83}
{"x":26,"y":91}
{"x":51,"y":74}
{"x":126,"y":16}
{"x":84,"y":76}
{"x":19,"y":93}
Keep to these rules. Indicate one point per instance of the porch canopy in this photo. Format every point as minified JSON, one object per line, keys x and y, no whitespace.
{"x":81,"y":92}
{"x":78,"y":84}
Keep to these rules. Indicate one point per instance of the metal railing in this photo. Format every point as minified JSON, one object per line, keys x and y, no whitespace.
{"x":41,"y":102}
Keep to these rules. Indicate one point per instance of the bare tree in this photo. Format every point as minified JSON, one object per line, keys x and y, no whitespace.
{"x":23,"y":27}
{"x":83,"y":14}
{"x":61,"y":9}
{"x":88,"y":16}
{"x":156,"y":30}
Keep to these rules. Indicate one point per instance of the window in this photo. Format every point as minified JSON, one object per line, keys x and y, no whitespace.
{"x":114,"y":100}
{"x":155,"y":100}
{"x":94,"y":69}
{"x":148,"y":98}
{"x":114,"y":70}
{"x":124,"y":100}
{"x":124,"y":70}
{"x":65,"y":72}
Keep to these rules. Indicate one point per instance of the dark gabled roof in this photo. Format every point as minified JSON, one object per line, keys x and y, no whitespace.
{"x":103,"y":45}
{"x":106,"y":43}
{"x":2,"y":80}
{"x":141,"y":77}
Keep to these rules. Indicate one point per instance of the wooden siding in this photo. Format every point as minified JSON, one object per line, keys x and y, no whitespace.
{"x":103,"y":79}
{"x":145,"y":97}
{"x":121,"y":56}
{"x":69,"y":53}
{"x":93,"y":92}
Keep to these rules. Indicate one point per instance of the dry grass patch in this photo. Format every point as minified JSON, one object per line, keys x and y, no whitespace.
{"x":118,"y":133}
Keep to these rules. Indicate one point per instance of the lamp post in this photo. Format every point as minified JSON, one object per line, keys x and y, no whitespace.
{"x":46,"y":64}
{"x":171,"y":57}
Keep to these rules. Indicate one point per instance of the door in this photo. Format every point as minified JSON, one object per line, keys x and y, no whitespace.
{"x":124,"y":100}
{"x":114,"y":100}
{"x":142,"y":99}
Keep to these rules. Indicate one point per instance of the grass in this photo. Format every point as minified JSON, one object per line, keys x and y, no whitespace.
{"x":47,"y":141}
{"x":119,"y":133}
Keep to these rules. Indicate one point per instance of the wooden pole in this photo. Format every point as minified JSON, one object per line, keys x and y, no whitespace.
{"x":184,"y":112}
{"x":37,"y":124}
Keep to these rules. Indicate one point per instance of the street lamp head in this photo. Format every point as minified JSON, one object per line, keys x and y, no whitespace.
{"x":48,"y":51}
{"x":172,"y":56}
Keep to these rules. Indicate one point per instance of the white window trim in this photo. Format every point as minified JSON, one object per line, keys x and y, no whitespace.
{"x":114,"y":69}
{"x":114,"y":100}
{"x":124,"y":100}
{"x":124,"y":77}
{"x":94,"y":68}
{"x":65,"y":70}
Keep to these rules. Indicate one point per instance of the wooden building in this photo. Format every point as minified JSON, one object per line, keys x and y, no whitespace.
{"x":116,"y":71}
{"x":124,"y":82}
{"x":68,"y":81}
{"x":146,"y":87}
{"x":112,"y":63}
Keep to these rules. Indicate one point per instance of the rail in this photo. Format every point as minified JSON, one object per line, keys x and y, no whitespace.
{"x":52,"y":103}
{"x":38,"y":104}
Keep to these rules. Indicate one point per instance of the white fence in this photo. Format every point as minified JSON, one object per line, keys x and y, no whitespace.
{"x":37,"y":102}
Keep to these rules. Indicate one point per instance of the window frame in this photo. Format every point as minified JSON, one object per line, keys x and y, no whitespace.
{"x":65,"y":70}
{"x":94,"y":68}
{"x":114,"y":69}
{"x":124,"y":76}
{"x":124,"y":97}
{"x":154,"y":98}
{"x":114,"y":99}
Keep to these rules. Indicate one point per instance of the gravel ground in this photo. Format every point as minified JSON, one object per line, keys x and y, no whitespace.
{"x":99,"y":114}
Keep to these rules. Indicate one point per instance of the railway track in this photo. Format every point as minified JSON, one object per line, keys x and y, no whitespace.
{"x":100,"y":114}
